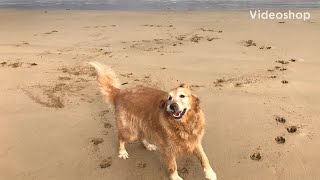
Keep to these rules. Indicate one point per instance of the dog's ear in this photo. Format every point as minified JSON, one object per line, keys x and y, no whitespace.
{"x":184,"y":85}
{"x":196,"y":103}
{"x":162,"y":103}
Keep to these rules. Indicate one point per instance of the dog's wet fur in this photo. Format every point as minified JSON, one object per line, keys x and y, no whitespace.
{"x":172,"y":120}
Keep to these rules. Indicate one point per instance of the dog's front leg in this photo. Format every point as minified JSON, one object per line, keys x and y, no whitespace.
{"x":201,"y":155}
{"x":172,"y":166}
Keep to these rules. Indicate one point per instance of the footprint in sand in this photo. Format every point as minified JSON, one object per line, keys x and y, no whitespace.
{"x":141,"y":164}
{"x":106,"y":163}
{"x":256,"y":156}
{"x":280,"y":119}
{"x":212,"y":38}
{"x":18,"y":64}
{"x":195,"y":38}
{"x":282,"y":62}
{"x":33,"y":64}
{"x":181,"y":37}
{"x":53,"y":31}
{"x":107,"y":125}
{"x":263,"y":47}
{"x":196,"y":86}
{"x":97,"y":141}
{"x":284,"y":82}
{"x":210,"y":30}
{"x":292,"y":129}
{"x":280,"y":140}
{"x":183,"y":171}
{"x":219,"y":82}
{"x":249,"y":43}
{"x":283,"y":69}
{"x":64,"y":78}
{"x":102,"y":113}
{"x":238,"y":84}
{"x":3,"y":64}
{"x":128,"y":75}
{"x":207,"y":29}
{"x":152,"y":25}
{"x":15,"y":65}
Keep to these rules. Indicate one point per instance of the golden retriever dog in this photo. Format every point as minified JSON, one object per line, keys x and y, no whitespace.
{"x":172,"y":120}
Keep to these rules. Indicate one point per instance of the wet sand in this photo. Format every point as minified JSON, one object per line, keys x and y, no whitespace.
{"x":259,"y":83}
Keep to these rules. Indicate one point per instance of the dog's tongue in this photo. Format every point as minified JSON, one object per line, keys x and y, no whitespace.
{"x":177,"y":113}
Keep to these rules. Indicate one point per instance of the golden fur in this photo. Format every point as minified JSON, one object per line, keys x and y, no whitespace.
{"x":145,"y":113}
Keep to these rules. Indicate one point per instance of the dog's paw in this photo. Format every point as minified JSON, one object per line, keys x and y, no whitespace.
{"x":176,"y":177}
{"x":210,"y":174}
{"x":123,"y":154}
{"x":151,"y":147}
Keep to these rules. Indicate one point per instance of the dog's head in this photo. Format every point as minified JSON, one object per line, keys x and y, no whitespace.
{"x":180,"y":101}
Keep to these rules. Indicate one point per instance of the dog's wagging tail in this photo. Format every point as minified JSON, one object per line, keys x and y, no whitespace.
{"x":172,"y":120}
{"x":108,"y":81}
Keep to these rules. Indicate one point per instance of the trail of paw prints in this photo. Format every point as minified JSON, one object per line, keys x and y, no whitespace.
{"x":156,"y":45}
{"x":159,"y":25}
{"x":129,"y":79}
{"x":103,"y":115}
{"x":253,"y":78}
{"x":198,"y":35}
{"x":246,"y":80}
{"x":23,"y":44}
{"x":251,"y":43}
{"x":256,"y":155}
{"x":47,"y":33}
{"x":170,"y":45}
{"x":69,"y":84}
{"x":282,"y":66}
{"x":105,"y":163}
{"x":290,"y":129}
{"x":96,"y":143}
{"x":17,"y":64}
{"x":102,"y":161}
{"x":238,"y":82}
{"x":100,"y":26}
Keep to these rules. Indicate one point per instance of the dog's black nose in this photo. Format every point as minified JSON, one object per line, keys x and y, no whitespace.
{"x":174,"y":106}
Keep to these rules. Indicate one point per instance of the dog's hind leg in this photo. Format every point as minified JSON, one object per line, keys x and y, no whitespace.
{"x":126,"y":132}
{"x":147,"y":145}
{"x":125,"y":135}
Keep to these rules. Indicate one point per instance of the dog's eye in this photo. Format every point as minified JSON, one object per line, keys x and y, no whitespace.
{"x":169,"y":97}
{"x":182,"y":96}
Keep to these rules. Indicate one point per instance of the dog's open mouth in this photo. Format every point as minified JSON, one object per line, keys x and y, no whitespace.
{"x":178,"y":114}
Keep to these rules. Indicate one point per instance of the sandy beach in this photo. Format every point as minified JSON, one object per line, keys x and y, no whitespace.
{"x":258,"y":81}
